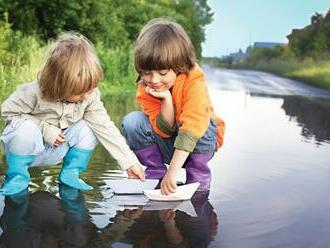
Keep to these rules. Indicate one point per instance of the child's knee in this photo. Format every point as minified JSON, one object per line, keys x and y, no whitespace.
{"x":134,"y":122}
{"x":208,"y":142}
{"x":23,"y":137}
{"x":82,"y":136}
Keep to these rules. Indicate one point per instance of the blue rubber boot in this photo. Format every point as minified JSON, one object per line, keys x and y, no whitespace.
{"x":17,"y":176}
{"x":15,"y":213}
{"x":73,"y":203}
{"x":75,"y":162}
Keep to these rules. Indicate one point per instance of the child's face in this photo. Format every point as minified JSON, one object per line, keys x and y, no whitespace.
{"x":159,"y":80}
{"x":78,"y":98}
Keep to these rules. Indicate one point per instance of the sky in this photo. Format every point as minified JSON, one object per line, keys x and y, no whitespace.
{"x":239,"y":23}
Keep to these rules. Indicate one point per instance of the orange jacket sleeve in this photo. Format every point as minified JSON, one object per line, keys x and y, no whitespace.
{"x":195,"y":117}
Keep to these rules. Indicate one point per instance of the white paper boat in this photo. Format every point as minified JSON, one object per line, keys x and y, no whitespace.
{"x":183,"y":192}
{"x":183,"y":206}
{"x":131,"y":186}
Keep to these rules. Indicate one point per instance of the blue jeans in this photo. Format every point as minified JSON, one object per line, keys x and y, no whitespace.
{"x":23,"y":137}
{"x":138,"y":132}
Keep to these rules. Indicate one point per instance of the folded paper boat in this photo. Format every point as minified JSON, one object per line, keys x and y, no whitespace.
{"x":131,"y":186}
{"x":183,"y":206}
{"x":184,"y":192}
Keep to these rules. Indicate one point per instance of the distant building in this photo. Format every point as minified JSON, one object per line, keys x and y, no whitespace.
{"x":238,"y":57}
{"x":268,"y":44}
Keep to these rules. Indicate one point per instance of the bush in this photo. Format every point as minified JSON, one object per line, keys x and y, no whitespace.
{"x":21,"y":57}
{"x":118,"y":65}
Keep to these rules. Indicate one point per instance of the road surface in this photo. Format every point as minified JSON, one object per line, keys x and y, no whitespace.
{"x":259,"y":83}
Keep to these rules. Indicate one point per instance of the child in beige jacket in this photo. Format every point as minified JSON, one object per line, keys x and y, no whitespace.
{"x":59,"y":117}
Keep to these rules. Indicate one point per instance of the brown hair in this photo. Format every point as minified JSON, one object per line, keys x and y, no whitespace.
{"x":71,"y":68}
{"x":164,"y":44}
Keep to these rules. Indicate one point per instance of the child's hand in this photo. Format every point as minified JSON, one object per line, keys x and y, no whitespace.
{"x":166,"y":215}
{"x":168,"y":184}
{"x":132,"y":213}
{"x":135,"y":171}
{"x":60,"y":139}
{"x":158,"y":94}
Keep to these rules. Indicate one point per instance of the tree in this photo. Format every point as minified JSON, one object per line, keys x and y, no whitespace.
{"x":110,"y":22}
{"x":313,"y":40}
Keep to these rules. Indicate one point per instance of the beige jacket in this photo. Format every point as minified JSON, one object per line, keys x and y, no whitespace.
{"x":51,"y":117}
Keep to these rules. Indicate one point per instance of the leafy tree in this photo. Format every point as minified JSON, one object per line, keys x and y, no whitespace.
{"x":111,"y":22}
{"x":98,"y":20}
{"x":313,"y":40}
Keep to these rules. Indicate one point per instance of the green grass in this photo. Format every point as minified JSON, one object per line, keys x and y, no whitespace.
{"x":308,"y":71}
{"x":22,"y":57}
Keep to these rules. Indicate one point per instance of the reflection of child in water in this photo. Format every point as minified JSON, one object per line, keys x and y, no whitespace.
{"x":43,"y":220}
{"x":167,"y":228}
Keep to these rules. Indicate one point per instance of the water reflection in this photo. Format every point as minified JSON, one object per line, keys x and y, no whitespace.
{"x":165,"y":227}
{"x":312,"y":114}
{"x":43,"y":219}
{"x":270,"y":181}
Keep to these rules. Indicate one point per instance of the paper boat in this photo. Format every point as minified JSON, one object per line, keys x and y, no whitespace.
{"x":183,"y":206}
{"x":184,"y":192}
{"x":131,"y":186}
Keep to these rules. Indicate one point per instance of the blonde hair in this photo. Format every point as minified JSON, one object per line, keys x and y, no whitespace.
{"x":164,"y":44}
{"x":71,"y":68}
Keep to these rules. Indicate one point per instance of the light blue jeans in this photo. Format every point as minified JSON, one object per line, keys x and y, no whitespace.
{"x":23,"y":137}
{"x":138,"y":132}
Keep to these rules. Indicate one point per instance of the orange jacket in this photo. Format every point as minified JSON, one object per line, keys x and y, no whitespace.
{"x":192,"y":106}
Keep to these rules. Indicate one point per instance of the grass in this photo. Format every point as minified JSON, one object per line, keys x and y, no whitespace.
{"x":309,"y":71}
{"x":22,"y":56}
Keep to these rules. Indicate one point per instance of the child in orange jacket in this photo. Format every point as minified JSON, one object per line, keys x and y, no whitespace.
{"x":177,"y":125}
